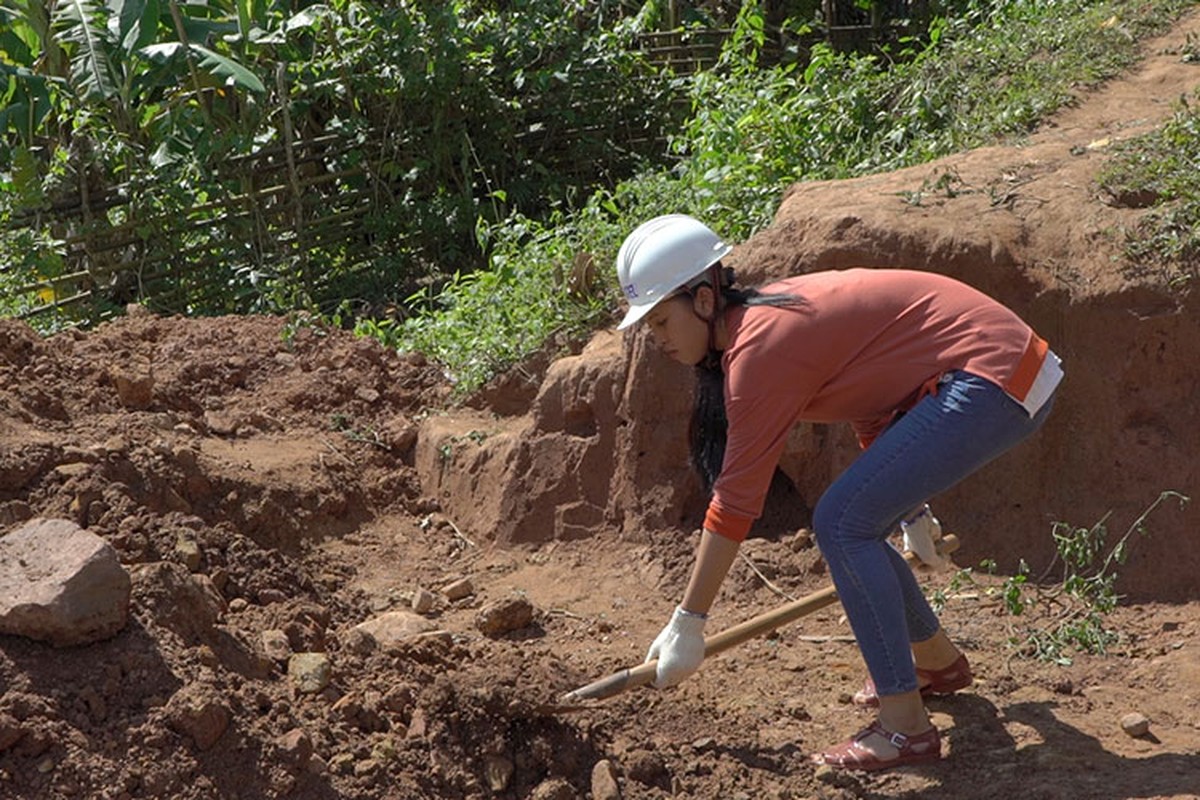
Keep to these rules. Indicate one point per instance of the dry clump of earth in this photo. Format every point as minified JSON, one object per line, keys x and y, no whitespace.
{"x":342,"y":585}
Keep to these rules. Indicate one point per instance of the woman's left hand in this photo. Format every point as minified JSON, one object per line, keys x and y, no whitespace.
{"x":679,"y":648}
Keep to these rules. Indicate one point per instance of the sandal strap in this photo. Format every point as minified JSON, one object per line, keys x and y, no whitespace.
{"x":897,"y":740}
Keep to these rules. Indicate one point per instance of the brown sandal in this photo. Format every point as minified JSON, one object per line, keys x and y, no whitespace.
{"x":921,"y":748}
{"x":932,"y":681}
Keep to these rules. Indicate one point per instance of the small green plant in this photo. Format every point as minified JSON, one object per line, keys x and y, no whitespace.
{"x":962,"y":579}
{"x":446,"y":451}
{"x":1190,"y":52}
{"x":948,"y":183}
{"x":1073,"y":613}
{"x":1161,"y":170}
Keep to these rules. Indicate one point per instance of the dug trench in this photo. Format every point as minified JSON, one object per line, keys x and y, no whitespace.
{"x":344,"y":585}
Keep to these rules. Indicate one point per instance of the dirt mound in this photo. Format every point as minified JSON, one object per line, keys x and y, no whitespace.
{"x":270,"y":488}
{"x":1027,"y":224}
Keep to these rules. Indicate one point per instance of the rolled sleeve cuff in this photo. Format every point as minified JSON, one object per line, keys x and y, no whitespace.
{"x":726,"y":523}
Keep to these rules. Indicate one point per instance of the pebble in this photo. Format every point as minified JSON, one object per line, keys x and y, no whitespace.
{"x":422,"y":601}
{"x":1135,"y":724}
{"x":296,"y":746}
{"x":553,"y":789}
{"x":189,"y":553}
{"x":276,"y":645}
{"x":504,"y":616}
{"x":499,"y":771}
{"x":310,"y":672}
{"x":459,"y":589}
{"x":604,"y":781}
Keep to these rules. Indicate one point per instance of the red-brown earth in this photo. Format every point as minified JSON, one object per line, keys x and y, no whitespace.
{"x":325,"y":481}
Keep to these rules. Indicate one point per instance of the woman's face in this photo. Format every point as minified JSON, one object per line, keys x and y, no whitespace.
{"x":678,"y":329}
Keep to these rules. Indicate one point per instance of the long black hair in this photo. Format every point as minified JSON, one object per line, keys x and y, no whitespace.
{"x":709,"y":424}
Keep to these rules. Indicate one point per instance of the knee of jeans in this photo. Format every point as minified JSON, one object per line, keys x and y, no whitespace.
{"x":825,"y":523}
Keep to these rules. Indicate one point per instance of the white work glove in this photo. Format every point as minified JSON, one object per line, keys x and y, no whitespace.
{"x":679,"y":648}
{"x":921,"y":534}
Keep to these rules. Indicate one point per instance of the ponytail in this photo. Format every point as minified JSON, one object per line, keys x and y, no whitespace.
{"x":709,"y":424}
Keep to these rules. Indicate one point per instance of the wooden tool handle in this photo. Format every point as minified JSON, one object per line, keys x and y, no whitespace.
{"x":643,"y":674}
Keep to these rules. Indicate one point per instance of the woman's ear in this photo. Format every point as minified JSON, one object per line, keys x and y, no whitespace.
{"x":704,"y":302}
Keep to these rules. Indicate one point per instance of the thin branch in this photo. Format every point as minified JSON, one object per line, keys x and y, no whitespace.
{"x":764,"y":578}
{"x":459,"y":533}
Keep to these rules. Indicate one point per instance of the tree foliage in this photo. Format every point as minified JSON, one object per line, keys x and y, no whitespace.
{"x":445,"y":113}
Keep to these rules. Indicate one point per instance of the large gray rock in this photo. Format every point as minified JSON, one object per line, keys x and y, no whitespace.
{"x":61,"y":584}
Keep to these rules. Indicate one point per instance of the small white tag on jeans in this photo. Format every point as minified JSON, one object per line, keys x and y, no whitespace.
{"x":1044,"y":384}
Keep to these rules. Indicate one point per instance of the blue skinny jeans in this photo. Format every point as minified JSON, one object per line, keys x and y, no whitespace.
{"x":940,"y":441}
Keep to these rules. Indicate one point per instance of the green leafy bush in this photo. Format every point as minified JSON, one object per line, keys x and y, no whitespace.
{"x":989,"y":73}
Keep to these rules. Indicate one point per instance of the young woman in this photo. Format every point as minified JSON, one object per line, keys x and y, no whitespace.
{"x":936,"y":378}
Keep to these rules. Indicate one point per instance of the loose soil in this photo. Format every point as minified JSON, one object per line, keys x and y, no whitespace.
{"x":325,"y":481}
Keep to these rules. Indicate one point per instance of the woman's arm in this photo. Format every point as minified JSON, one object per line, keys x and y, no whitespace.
{"x":714,"y":557}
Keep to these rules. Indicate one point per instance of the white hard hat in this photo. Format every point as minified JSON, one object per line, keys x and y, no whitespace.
{"x":661,"y":255}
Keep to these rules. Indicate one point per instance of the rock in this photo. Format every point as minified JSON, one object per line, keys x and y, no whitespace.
{"x":384,"y":751}
{"x":276,"y":645}
{"x":342,"y":763}
{"x":499,"y":771}
{"x":418,"y":726}
{"x":188,"y":553}
{"x":10,"y":732}
{"x":395,"y":626}
{"x":504,"y":616}
{"x":61,"y":584}
{"x":422,"y":601}
{"x":367,"y":394}
{"x":647,"y":768}
{"x":310,"y":672}
{"x":114,"y":444}
{"x":1135,"y":724}
{"x":220,"y":424}
{"x":604,"y":781}
{"x":134,"y":391}
{"x":270,"y":596}
{"x":296,"y":747}
{"x":360,"y":643}
{"x":553,"y":789}
{"x":73,"y":470}
{"x":187,"y":604}
{"x":459,"y":589}
{"x":199,"y":712}
{"x":803,"y":540}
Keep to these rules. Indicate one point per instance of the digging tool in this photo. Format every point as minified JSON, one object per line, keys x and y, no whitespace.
{"x":643,"y":674}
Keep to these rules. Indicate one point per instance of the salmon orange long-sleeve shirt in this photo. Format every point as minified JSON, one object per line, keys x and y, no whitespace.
{"x":861,"y":346}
